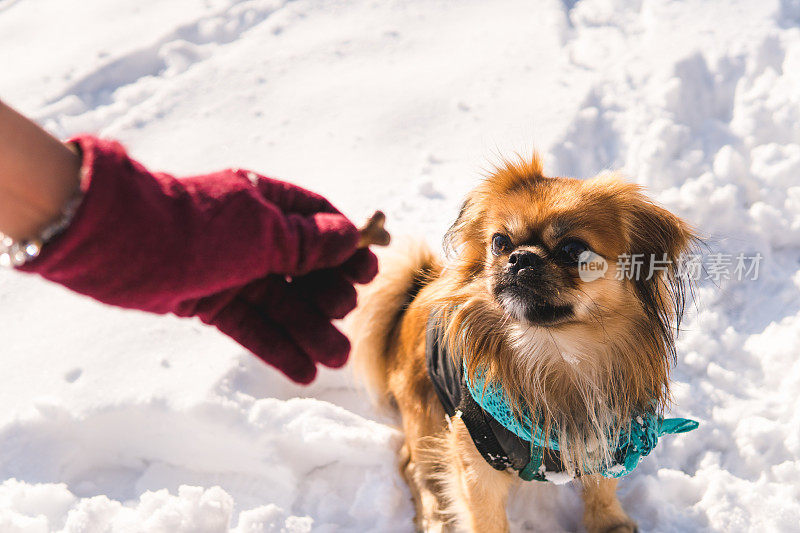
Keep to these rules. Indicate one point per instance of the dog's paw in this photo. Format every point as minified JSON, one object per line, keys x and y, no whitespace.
{"x":610,"y":523}
{"x":627,"y":527}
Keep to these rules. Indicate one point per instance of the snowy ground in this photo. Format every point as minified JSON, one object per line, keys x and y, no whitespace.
{"x":117,"y":421}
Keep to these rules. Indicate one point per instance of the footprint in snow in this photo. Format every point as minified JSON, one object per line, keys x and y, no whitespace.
{"x":73,"y":375}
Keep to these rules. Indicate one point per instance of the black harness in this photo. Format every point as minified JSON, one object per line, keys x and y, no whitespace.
{"x":501,"y":448}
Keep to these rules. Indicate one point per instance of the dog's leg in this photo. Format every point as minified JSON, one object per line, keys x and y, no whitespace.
{"x":603,"y":512}
{"x":421,"y":480}
{"x":477,"y":491}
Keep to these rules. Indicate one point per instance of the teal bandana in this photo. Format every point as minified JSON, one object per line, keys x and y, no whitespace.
{"x":631,"y":447}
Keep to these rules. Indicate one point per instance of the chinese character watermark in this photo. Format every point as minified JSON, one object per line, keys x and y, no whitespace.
{"x":714,"y":267}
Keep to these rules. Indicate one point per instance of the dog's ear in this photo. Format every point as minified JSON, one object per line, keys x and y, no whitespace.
{"x":655,"y":232}
{"x":463,"y":242}
{"x":657,"y":241}
{"x":455,"y":235}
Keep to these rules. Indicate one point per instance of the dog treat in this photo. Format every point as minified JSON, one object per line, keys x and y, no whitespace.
{"x":373,"y":232}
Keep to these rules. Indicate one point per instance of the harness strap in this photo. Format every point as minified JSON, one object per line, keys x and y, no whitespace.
{"x":446,"y":376}
{"x":481,"y":432}
{"x":533,"y":470}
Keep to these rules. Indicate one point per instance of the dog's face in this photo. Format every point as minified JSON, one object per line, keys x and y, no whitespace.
{"x":556,"y":251}
{"x":540,"y":241}
{"x":552,"y":249}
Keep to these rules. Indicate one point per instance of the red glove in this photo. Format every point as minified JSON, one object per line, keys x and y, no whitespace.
{"x":268,"y":263}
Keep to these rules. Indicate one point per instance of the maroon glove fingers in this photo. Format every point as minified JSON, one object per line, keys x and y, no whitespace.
{"x":322,"y":240}
{"x":290,"y":198}
{"x":272,"y":241}
{"x":248,"y":326}
{"x":306,"y":325}
{"x":329,"y":291}
{"x":332,"y":290}
{"x":362,"y":267}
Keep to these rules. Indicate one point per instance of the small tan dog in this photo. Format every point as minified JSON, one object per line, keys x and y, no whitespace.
{"x":587,"y":354}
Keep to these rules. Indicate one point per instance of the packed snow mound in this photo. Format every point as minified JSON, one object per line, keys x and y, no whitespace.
{"x":119,"y":421}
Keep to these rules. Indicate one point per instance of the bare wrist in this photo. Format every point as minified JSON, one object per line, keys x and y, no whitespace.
{"x":38,"y":176}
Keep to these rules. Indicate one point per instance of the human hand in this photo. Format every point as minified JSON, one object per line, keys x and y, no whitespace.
{"x":268,"y":263}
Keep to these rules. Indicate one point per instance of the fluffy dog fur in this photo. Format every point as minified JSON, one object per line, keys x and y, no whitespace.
{"x":586,"y":355}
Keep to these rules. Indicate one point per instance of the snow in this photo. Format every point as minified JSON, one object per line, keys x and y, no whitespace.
{"x":118,"y":421}
{"x":558,"y":478}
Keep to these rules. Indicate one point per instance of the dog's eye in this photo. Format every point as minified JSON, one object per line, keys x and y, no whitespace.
{"x":570,"y":251}
{"x":501,"y":244}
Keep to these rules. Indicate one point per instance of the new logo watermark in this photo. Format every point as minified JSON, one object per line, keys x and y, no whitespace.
{"x":591,"y":266}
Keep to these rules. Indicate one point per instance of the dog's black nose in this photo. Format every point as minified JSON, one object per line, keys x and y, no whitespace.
{"x":524,"y":259}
